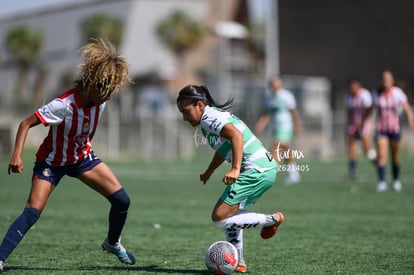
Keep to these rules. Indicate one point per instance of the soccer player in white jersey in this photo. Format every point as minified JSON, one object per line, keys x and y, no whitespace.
{"x":359,"y":126}
{"x":280,"y":110}
{"x":391,"y":100}
{"x":253,"y":169}
{"x":72,"y":119}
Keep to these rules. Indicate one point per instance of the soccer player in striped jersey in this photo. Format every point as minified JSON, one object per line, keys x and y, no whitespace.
{"x":390,"y":102}
{"x":72,"y":119}
{"x":282,"y":113}
{"x":359,"y":110}
{"x":253,"y":169}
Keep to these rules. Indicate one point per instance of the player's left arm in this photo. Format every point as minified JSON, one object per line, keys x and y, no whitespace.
{"x":235,"y":137}
{"x":409,"y":113}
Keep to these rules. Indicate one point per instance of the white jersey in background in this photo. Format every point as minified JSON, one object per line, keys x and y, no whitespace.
{"x":279,"y":106}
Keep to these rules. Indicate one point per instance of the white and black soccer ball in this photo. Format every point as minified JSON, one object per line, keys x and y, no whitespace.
{"x":221,"y":258}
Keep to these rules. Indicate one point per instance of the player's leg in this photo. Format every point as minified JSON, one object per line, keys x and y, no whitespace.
{"x":101,"y":179}
{"x":366,"y":139}
{"x":352,"y":156}
{"x":234,"y":221}
{"x":39,"y":193}
{"x":395,"y":158}
{"x":382,"y":150}
{"x":282,"y":152}
{"x":229,"y":214}
{"x":369,"y":152}
{"x":249,"y":187}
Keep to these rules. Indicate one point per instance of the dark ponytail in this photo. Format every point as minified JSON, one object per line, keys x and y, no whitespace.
{"x":194,"y":93}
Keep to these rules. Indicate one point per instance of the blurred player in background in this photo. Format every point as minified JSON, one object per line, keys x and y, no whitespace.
{"x":72,"y":119}
{"x":280,"y":110}
{"x":390,"y":102}
{"x":253,"y":169}
{"x":359,"y":126}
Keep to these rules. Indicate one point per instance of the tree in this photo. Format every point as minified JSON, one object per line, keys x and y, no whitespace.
{"x":24,"y":45}
{"x":179,"y":33}
{"x":104,"y":26}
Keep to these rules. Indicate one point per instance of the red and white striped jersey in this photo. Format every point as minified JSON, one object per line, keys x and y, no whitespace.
{"x":72,"y":127}
{"x":357,"y":107}
{"x":389,"y":105}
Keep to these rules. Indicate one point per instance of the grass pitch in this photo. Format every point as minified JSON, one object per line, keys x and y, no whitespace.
{"x":332,"y":225}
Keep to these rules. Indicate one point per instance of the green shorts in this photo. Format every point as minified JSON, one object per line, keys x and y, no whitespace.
{"x":249,"y":187}
{"x":284,"y":136}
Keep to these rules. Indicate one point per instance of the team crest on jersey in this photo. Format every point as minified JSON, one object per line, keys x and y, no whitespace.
{"x":47,"y":172}
{"x":85,"y":127}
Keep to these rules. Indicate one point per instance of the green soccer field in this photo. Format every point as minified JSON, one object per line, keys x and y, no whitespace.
{"x":332,"y":225}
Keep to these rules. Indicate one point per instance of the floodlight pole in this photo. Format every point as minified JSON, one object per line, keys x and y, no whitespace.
{"x":272,"y":39}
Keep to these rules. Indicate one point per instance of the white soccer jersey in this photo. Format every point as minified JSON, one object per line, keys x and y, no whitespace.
{"x":280,"y":105}
{"x":389,"y":104}
{"x":72,"y":127}
{"x":255,"y":156}
{"x":358,"y":106}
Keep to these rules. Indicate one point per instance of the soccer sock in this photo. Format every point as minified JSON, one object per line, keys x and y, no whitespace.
{"x":117,"y":215}
{"x":381,"y":172}
{"x":352,"y":167}
{"x":17,"y":231}
{"x":293,"y":172}
{"x":395,"y":171}
{"x":235,"y":236}
{"x":246,"y":219}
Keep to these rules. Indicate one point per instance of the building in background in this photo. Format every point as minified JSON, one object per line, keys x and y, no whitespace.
{"x":62,"y":33}
{"x":320,"y":44}
{"x":339,"y":39}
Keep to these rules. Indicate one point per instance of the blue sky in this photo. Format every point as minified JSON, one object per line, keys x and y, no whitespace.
{"x":11,"y":6}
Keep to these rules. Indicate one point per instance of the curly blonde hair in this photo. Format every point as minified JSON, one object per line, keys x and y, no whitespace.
{"x":103,"y":67}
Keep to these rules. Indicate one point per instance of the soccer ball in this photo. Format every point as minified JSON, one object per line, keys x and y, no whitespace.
{"x":221,"y":258}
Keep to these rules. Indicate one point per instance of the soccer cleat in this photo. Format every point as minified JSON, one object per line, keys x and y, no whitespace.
{"x":242,"y":267}
{"x":1,"y":266}
{"x":396,"y":186}
{"x":118,"y":250}
{"x":269,"y":231}
{"x":382,"y":186}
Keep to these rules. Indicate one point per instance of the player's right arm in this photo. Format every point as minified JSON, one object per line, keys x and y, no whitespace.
{"x":16,"y":162}
{"x":214,"y":164}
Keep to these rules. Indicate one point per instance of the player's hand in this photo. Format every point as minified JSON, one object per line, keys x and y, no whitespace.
{"x":231,"y":177}
{"x":205,"y":176}
{"x":15,"y":165}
